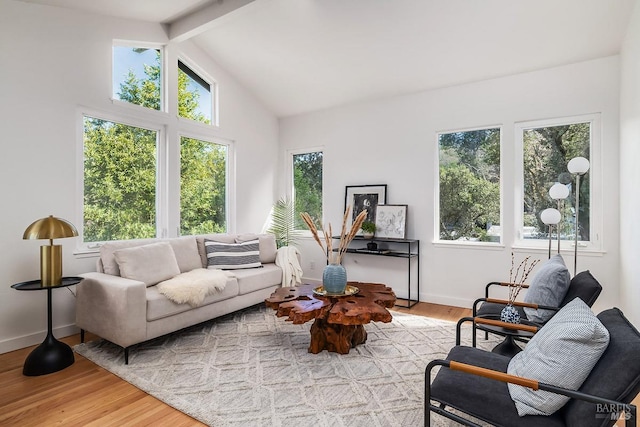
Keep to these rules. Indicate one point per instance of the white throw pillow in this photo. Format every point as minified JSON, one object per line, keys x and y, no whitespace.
{"x":548,"y":287}
{"x":562,"y":353}
{"x":149,"y":263}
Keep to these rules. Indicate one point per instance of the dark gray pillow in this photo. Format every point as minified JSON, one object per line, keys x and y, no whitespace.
{"x":548,"y":287}
{"x":562,"y":353}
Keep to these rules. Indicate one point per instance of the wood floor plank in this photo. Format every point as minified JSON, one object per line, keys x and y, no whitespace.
{"x":85,"y":394}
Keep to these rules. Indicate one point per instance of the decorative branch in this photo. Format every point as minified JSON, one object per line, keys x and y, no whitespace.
{"x":522,"y":273}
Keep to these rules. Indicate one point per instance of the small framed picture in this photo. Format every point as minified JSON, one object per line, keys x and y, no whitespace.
{"x":391,"y":221}
{"x":364,"y":197}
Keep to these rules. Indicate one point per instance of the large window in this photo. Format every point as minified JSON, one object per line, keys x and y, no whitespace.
{"x":119,"y":181}
{"x":146,"y":173}
{"x":307,"y":186}
{"x":203,"y":177}
{"x":195,"y":100}
{"x":469,"y":192}
{"x":137,"y":76}
{"x":546,"y":151}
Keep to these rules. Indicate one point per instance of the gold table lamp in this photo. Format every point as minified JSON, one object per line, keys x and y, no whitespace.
{"x":50,"y":255}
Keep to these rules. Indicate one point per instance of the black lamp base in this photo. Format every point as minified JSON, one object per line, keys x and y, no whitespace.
{"x":50,"y":356}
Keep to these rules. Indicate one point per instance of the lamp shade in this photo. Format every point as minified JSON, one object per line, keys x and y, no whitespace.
{"x":578,"y":165}
{"x":50,"y":228}
{"x":559,"y":191}
{"x":550,"y":216}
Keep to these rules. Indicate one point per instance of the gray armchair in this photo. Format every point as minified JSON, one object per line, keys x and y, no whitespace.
{"x":474,"y":383}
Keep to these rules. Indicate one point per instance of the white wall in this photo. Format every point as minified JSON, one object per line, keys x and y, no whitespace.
{"x":393,"y":141}
{"x":629,"y":171}
{"x":54,"y":61}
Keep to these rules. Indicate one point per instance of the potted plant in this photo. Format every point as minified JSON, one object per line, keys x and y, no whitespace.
{"x":283,"y":223}
{"x":368,"y":229}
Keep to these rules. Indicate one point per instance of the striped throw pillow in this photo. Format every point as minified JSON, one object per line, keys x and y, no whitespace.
{"x":232,"y":256}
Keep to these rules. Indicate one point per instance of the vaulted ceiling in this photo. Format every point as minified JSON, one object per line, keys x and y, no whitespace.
{"x":298,"y":56}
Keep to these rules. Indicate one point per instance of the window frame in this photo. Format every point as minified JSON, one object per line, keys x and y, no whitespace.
{"x":170,"y":129}
{"x":213,"y":87}
{"x":436,"y":199}
{"x":595,"y":186}
{"x":163,"y":80}
{"x":161,"y":181}
{"x":289,"y":157}
{"x":230,"y":172}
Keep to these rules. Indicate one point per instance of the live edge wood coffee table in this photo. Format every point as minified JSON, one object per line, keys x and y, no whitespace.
{"x":338,"y":320}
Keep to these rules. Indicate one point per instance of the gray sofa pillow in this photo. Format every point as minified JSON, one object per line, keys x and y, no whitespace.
{"x":148,"y":263}
{"x":548,"y":287}
{"x":562,"y":353}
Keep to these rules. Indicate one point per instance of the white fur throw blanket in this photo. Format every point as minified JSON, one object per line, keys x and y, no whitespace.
{"x":193,"y":286}
{"x":287,"y":260}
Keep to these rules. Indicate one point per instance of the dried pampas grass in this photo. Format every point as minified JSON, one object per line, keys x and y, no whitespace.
{"x":335,"y":257}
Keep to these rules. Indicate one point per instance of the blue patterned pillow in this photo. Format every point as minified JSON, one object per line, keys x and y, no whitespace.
{"x":562,"y":353}
{"x":232,"y":256}
{"x":548,"y":287}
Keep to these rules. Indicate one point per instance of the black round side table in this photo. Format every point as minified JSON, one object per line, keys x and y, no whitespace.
{"x":52,"y":355}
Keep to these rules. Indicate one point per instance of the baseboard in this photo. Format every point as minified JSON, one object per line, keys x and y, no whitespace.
{"x":446,"y":300}
{"x":35,"y":339}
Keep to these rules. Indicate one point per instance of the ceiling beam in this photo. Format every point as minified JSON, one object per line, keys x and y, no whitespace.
{"x":204,"y":19}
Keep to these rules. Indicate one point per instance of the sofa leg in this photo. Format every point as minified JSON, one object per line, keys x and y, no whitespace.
{"x":81,"y":335}
{"x":126,"y":355}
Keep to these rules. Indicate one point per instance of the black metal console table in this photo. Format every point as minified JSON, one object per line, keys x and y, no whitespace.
{"x":408,"y":249}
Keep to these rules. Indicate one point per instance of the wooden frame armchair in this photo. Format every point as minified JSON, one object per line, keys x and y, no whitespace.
{"x":473,"y":382}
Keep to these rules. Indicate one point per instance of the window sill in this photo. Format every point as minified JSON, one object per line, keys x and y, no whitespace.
{"x":467,"y":245}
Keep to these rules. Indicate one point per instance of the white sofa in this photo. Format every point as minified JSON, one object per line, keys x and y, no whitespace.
{"x":127,"y":311}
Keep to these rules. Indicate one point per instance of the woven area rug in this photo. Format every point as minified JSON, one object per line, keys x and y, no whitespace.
{"x":251,"y":368}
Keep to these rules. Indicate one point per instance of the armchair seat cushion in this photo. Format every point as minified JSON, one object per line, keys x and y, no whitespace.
{"x":451,"y":387}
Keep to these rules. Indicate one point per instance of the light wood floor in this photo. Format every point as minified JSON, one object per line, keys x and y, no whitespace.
{"x":84,"y":394}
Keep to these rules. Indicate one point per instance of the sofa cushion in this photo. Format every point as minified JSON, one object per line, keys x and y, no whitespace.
{"x":562,"y":353}
{"x":254,"y":279}
{"x":186,"y":251}
{"x":107,"y":250}
{"x":150,"y":264}
{"x":268,"y":247}
{"x":548,"y":287}
{"x":233,"y":256}
{"x":159,"y":306}
{"x":221,"y":237}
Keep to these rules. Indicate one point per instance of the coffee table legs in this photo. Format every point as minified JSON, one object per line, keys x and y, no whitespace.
{"x":334,"y":337}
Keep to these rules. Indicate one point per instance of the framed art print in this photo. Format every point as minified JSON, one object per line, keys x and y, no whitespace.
{"x":364,"y":197}
{"x":391,"y":221}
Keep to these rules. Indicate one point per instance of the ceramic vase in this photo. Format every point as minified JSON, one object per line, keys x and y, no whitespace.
{"x":509,"y":314}
{"x":334,"y":279}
